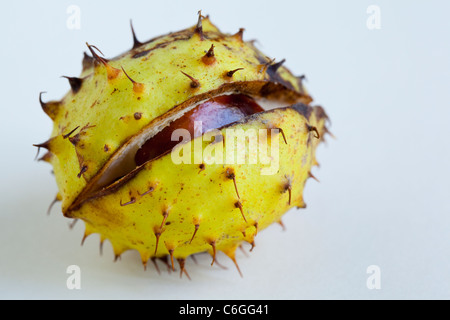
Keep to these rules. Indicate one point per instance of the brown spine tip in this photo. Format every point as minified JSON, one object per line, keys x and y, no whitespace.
{"x":88,"y":62}
{"x":256,"y":228}
{"x":274,"y":67}
{"x":111,"y":71}
{"x":280,"y":222}
{"x":282,"y":133}
{"x":199,"y":28}
{"x":157,"y":231}
{"x":316,"y":132}
{"x":290,"y":195}
{"x":84,"y":238}
{"x":209,"y":57}
{"x":132,"y":200}
{"x":136,"y":42}
{"x":237,"y":266}
{"x":288,"y":187}
{"x":231,"y":175}
{"x":238,"y":204}
{"x":75,"y":83}
{"x":197,"y":226}
{"x":231,"y":253}
{"x":151,"y":189}
{"x":67,"y":135}
{"x":315,"y":163}
{"x":230,"y":73}
{"x":312,"y":176}
{"x":302,"y":206}
{"x":45,"y":145}
{"x":144,"y":264}
{"x":117,"y":257}
{"x":83,"y":169}
{"x":95,"y":56}
{"x":137,"y":87}
{"x":50,"y":108}
{"x":201,"y":166}
{"x":165,"y":214}
{"x":76,"y":138}
{"x":42,"y":103}
{"x":210,"y":52}
{"x":239,"y":35}
{"x":194,"y":82}
{"x":171,"y":259}
{"x":213,"y":245}
{"x":300,"y":80}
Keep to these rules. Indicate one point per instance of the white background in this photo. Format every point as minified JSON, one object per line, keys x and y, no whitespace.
{"x":383,"y":198}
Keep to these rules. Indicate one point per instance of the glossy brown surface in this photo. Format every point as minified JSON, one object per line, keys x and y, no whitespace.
{"x":212,"y":114}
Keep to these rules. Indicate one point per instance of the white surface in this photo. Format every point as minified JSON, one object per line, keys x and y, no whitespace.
{"x":383,"y":198}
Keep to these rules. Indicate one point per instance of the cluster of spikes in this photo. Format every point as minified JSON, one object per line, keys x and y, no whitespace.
{"x":97,"y":57}
{"x":169,"y":263}
{"x":75,"y":83}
